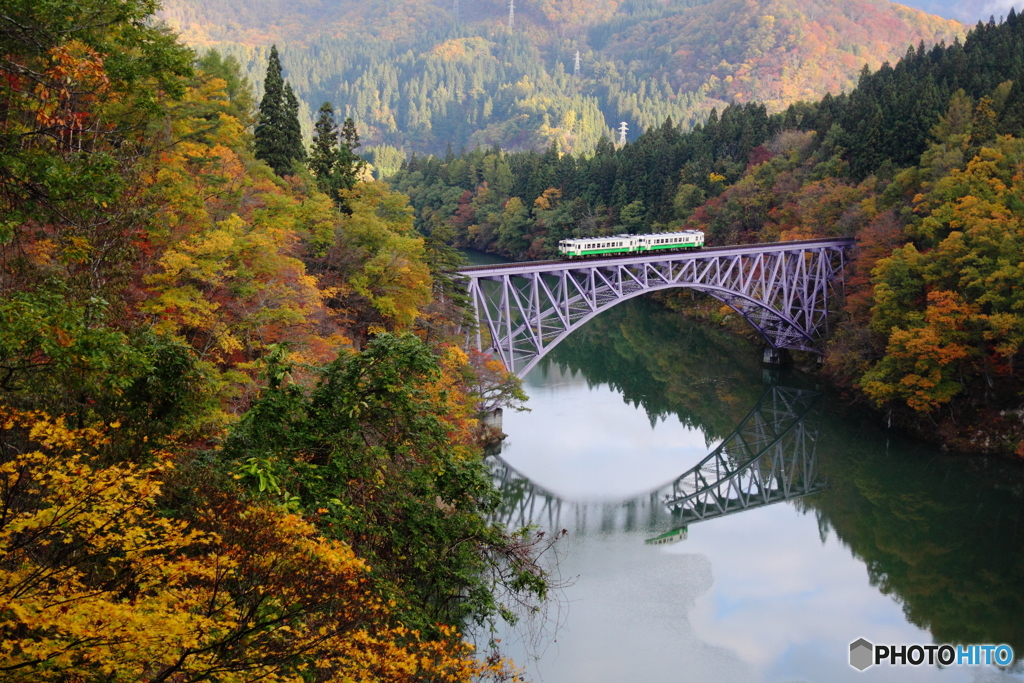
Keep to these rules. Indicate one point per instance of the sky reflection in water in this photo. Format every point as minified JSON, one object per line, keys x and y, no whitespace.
{"x":755,"y":596}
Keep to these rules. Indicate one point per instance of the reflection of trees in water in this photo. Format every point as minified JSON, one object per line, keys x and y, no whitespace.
{"x":667,"y":365}
{"x":941,"y":536}
{"x":936,"y":533}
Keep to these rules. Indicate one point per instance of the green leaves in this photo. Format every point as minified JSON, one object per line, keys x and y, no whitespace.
{"x":370,"y":449}
{"x":278,"y":136}
{"x":951,"y":313}
{"x":334,"y":163}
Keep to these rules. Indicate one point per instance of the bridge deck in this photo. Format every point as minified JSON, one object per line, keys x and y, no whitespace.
{"x":523,"y":267}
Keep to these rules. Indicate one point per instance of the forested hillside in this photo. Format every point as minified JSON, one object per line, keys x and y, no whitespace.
{"x":419,"y":75}
{"x":238,"y":440}
{"x":921,"y":162}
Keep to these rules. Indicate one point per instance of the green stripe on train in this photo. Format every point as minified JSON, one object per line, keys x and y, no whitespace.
{"x":650,"y":248}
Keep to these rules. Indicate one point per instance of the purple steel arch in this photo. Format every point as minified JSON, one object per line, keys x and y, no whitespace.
{"x":781,"y":289}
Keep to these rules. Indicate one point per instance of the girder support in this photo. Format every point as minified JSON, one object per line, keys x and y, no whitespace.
{"x":783,"y":290}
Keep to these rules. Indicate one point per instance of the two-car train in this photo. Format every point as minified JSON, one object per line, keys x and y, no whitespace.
{"x":631,"y":244}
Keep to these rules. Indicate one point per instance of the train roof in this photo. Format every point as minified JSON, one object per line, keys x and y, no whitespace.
{"x":633,"y":237}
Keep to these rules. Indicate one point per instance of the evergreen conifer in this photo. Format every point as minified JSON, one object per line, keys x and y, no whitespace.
{"x":278,"y":134}
{"x":350,"y":165}
{"x":324,"y":154}
{"x":333,"y":161}
{"x":292,"y":131}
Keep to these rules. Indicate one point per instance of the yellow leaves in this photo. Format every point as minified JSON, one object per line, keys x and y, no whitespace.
{"x":1006,"y":331}
{"x":51,"y":433}
{"x":454,"y":359}
{"x":920,"y":362}
{"x":96,"y":583}
{"x":233,"y":286}
{"x":548,"y":199}
{"x":462,"y":49}
{"x":68,"y":519}
{"x":74,"y":70}
{"x":389,"y":269}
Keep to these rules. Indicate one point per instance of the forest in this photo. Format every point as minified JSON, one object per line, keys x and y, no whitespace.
{"x":239,"y":437}
{"x":419,"y":75}
{"x":240,"y":433}
{"x":921,"y":162}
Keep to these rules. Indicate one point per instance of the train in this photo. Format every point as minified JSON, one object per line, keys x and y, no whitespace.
{"x":615,"y":245}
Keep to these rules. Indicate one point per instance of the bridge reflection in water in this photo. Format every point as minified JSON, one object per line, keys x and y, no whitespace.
{"x":770,"y":457}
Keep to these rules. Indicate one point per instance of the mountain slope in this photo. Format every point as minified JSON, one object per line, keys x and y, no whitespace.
{"x":416,"y":76}
{"x":778,"y":51}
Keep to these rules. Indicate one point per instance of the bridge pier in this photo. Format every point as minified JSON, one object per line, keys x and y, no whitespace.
{"x":776,"y":358}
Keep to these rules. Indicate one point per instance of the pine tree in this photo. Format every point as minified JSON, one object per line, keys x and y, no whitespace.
{"x":292,"y":131}
{"x":350,"y":166}
{"x":323,"y":157}
{"x":333,"y":161}
{"x":278,"y":135}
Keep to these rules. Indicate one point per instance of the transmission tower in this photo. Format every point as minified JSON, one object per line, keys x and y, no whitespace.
{"x":623,"y":129}
{"x":511,"y":14}
{"x":576,"y":68}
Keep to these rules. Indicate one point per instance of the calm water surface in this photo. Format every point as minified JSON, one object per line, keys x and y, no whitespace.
{"x":899,"y":545}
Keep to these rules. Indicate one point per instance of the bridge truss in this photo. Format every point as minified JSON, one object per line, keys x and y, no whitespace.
{"x":783,"y":290}
{"x":770,"y":457}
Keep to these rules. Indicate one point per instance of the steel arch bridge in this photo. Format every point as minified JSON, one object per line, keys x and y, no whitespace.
{"x":782,"y":289}
{"x":770,"y":457}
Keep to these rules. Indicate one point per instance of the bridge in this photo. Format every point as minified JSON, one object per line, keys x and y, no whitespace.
{"x":770,"y":457}
{"x":783,"y":289}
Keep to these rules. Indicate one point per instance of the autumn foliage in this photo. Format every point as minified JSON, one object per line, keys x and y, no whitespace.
{"x":96,"y":584}
{"x":160,"y":287}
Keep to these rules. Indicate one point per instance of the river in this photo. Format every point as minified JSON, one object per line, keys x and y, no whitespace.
{"x":876,"y":537}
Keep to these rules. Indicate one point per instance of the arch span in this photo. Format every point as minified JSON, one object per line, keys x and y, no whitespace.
{"x":770,"y":457}
{"x":783,"y":290}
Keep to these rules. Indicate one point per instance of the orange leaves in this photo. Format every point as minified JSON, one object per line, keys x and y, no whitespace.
{"x":548,"y":199}
{"x":229,"y":287}
{"x":952,"y":310}
{"x":77,"y":79}
{"x":920,"y":363}
{"x":96,"y":583}
{"x":226,"y":276}
{"x":458,"y":409}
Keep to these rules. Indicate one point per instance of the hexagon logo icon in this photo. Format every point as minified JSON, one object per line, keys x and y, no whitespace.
{"x":861,"y":654}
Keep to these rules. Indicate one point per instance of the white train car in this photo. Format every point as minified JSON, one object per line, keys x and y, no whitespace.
{"x":614,"y":245}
